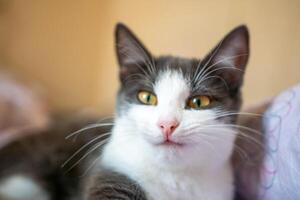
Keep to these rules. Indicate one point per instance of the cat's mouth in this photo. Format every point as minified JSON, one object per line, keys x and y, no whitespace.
{"x":170,"y":143}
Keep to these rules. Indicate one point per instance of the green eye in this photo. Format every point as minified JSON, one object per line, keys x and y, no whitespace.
{"x":198,"y":102}
{"x":147,"y":98}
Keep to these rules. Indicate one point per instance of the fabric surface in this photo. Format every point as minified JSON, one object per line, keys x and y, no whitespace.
{"x":281,"y":168}
{"x":22,"y":111}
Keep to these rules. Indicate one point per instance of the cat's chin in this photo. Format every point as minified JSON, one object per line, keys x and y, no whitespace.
{"x":170,"y":153}
{"x":174,"y":157}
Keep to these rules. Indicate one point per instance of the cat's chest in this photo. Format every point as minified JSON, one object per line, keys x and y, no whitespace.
{"x":166,"y":186}
{"x":185,"y":186}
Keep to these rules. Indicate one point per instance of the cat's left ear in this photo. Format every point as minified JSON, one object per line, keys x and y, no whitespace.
{"x":229,"y":58}
{"x":133,"y":57}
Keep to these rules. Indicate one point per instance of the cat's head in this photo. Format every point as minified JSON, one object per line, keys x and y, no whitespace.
{"x":179,"y":110}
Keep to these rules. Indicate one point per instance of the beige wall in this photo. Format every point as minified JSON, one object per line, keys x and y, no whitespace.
{"x":67,"y":46}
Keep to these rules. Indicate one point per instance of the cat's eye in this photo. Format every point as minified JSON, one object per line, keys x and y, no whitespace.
{"x":147,"y":98}
{"x":198,"y":102}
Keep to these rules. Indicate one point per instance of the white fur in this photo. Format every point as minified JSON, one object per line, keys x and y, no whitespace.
{"x":199,"y":169}
{"x":19,"y":187}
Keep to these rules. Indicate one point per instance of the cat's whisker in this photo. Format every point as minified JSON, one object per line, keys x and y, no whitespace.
{"x":207,"y":72}
{"x":128,"y":52}
{"x":226,"y":59}
{"x":138,"y":75}
{"x":203,"y":70}
{"x":139,"y":78}
{"x":210,"y":77}
{"x":192,"y":127}
{"x":222,"y":114}
{"x":84,"y":146}
{"x":243,"y":135}
{"x":92,"y":126}
{"x":196,"y":72}
{"x":239,"y":133}
{"x":258,"y":142}
{"x":92,"y":149}
{"x":248,"y":114}
{"x":241,"y":151}
{"x":112,"y":117}
{"x":237,"y":126}
{"x":198,"y":124}
{"x":217,"y":69}
{"x":200,"y":135}
{"x":209,"y":145}
{"x":146,"y":74}
{"x":90,"y":167}
{"x":150,"y":65}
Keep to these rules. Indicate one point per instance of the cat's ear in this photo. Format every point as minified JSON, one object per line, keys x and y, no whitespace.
{"x":131,"y":53}
{"x":229,"y":58}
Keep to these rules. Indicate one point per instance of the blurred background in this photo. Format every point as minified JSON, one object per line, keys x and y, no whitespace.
{"x":66,"y":48}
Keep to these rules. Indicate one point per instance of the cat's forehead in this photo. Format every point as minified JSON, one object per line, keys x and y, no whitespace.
{"x":171,"y":84}
{"x":173,"y":80}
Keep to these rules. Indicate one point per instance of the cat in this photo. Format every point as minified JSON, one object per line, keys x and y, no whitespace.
{"x":172,"y":138}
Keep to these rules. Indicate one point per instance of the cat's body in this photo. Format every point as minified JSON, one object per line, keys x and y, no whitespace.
{"x":175,"y":128}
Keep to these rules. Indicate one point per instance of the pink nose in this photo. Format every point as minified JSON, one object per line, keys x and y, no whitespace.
{"x":168,"y":127}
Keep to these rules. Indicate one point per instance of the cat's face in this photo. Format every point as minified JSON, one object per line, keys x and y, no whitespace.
{"x":175,"y":110}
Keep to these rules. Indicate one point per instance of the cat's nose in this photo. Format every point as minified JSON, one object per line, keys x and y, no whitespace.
{"x":168,"y":126}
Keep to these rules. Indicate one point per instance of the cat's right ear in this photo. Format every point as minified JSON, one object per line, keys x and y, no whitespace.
{"x":131,"y":53}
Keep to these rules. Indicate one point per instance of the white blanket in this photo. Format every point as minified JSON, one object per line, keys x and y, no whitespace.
{"x":281,"y":169}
